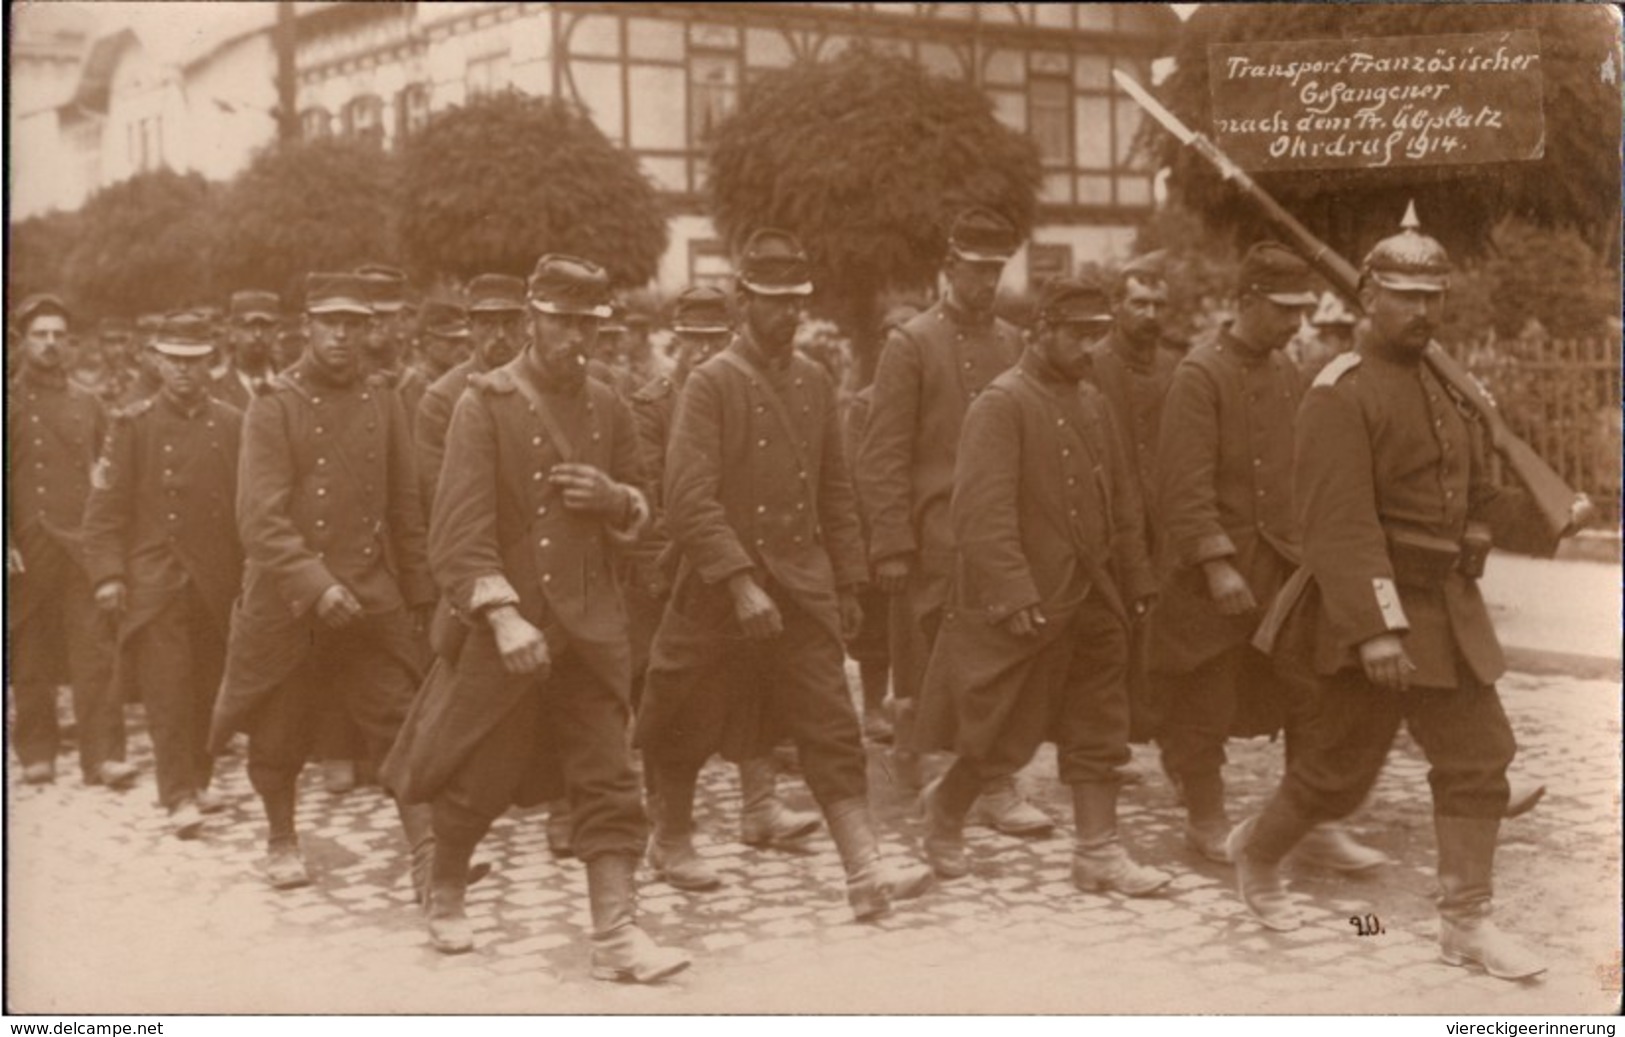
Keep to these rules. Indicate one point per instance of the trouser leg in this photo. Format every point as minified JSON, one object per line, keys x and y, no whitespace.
{"x":34,"y":732}
{"x":98,"y":712}
{"x":161,"y":654}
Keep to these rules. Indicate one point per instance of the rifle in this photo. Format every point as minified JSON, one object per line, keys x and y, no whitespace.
{"x":1563,"y":511}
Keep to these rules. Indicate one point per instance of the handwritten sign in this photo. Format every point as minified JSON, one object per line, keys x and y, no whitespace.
{"x":1379,"y":102}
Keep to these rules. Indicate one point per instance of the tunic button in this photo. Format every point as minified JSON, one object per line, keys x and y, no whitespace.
{"x":542,"y":510}
{"x":801,"y":505}
{"x":796,"y":538}
{"x":316,"y":400}
{"x":1066,"y":451}
{"x":173,"y":516}
{"x":321,"y":460}
{"x":319,"y":430}
{"x":321,"y":522}
{"x":536,"y":441}
{"x":595,"y":437}
{"x":760,"y":542}
{"x":1070,"y":481}
{"x":321,"y":491}
{"x":1060,"y":423}
{"x":546,"y":542}
{"x":168,"y":447}
{"x":537,"y":476}
{"x":547,"y":577}
{"x":761,"y":509}
{"x":761,"y":442}
{"x":1258,"y":462}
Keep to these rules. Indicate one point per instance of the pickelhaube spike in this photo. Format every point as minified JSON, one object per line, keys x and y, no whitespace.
{"x":1409,"y":261}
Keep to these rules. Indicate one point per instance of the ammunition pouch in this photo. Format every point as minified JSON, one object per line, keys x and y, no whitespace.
{"x":1424,"y":561}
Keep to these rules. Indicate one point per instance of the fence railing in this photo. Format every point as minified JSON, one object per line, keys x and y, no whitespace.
{"x":1562,"y":397}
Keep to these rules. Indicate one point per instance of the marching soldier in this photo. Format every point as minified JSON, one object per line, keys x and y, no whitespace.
{"x":337,"y":588}
{"x":1052,"y":564}
{"x":539,"y":488}
{"x":251,"y":332}
{"x":759,"y":503}
{"x":1393,"y":493}
{"x":929,"y":372}
{"x":54,"y":434}
{"x":1231,"y":539}
{"x":495,"y":322}
{"x":388,"y":347}
{"x":162,"y":553}
{"x":703,"y":327}
{"x":443,"y":338}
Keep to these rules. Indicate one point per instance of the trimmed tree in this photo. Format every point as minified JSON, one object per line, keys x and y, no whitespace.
{"x":300,"y":206}
{"x":867,"y":158}
{"x":141,"y":245}
{"x":1576,"y":184}
{"x":492,"y":186}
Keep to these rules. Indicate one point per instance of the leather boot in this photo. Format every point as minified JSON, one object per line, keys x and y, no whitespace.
{"x":1207,"y":826}
{"x":449,"y":928}
{"x":671,"y":850}
{"x":1467,"y":936}
{"x":560,"y":829}
{"x":1333,"y":847}
{"x":1256,"y":847}
{"x":871,"y":883}
{"x":764,"y":820}
{"x":944,"y":807}
{"x":1523,"y":798}
{"x":620,"y":950}
{"x":284,"y":865}
{"x":1003,"y":808}
{"x":1100,"y":864}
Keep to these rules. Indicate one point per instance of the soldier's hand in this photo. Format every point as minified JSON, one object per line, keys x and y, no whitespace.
{"x":1026,"y":622}
{"x":586,"y":488}
{"x":14,"y":561}
{"x":110,"y":596}
{"x":851,"y":615}
{"x":1228,"y":589}
{"x":891,"y":574}
{"x":758,"y":616}
{"x":337,"y":607}
{"x":522,"y":647}
{"x":1385,"y":662}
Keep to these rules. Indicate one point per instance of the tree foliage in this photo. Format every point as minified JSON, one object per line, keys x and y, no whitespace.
{"x":1575,"y":185}
{"x":867,"y":158}
{"x":494,"y":185}
{"x":300,"y":206}
{"x":38,"y":254}
{"x":140,"y":246}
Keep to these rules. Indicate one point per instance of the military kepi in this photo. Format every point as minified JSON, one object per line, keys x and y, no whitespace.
{"x":702,"y":310}
{"x":774,"y":263}
{"x":496,"y":293}
{"x":569,"y":286}
{"x":1409,"y":261}
{"x":981,"y":235}
{"x":249,"y":306}
{"x":337,"y":293}
{"x":1279,"y":274}
{"x":184,"y":337}
{"x":1085,"y":298}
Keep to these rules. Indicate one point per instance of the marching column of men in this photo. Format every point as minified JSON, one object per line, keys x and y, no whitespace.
{"x":512,"y":575}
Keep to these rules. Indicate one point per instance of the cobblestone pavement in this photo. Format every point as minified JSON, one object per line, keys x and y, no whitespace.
{"x":108,"y":913}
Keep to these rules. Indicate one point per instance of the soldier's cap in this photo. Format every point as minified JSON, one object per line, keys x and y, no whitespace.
{"x":386,"y":287}
{"x":980,"y":235}
{"x":774,"y":263}
{"x":185,"y":335}
{"x":337,"y":293}
{"x":1084,"y":298}
{"x":496,"y":293}
{"x":1409,"y":261}
{"x":444,"y":317}
{"x":1277,"y":273}
{"x":149,"y":323}
{"x":569,"y":285}
{"x":1147,"y":265}
{"x":251,"y":306}
{"x":702,"y":310}
{"x":40,"y":302}
{"x":211,"y":314}
{"x":615,"y":323}
{"x":1331,"y":311}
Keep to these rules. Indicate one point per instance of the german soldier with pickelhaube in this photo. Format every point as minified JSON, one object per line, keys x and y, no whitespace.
{"x":1394,"y":495}
{"x":539,"y":490}
{"x":161,"y":551}
{"x":758,"y":502}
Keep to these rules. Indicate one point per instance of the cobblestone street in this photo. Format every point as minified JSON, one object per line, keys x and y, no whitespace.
{"x":108,"y":913}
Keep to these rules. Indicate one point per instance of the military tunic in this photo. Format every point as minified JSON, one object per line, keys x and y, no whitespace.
{"x":57,"y":635}
{"x":751,"y":489}
{"x":431,"y":420}
{"x":160,"y":520}
{"x":500,"y":534}
{"x":1045,"y":514}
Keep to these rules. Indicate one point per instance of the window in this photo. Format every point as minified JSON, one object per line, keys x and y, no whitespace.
{"x":1049,"y":119}
{"x":713,"y":92}
{"x":486,"y":75}
{"x":363,"y":119}
{"x":315,"y":123}
{"x":144,"y":139}
{"x":708,"y":265}
{"x":411,"y":110}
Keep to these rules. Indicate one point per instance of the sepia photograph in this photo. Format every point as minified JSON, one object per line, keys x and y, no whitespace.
{"x":813,"y":509}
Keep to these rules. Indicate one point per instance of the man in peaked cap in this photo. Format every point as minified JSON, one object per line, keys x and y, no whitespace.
{"x":444,"y":336}
{"x":389,"y":346}
{"x":1051,"y":567}
{"x":758,"y":501}
{"x":1395,"y":498}
{"x":929,"y":372}
{"x":54,"y":434}
{"x":161,"y":551}
{"x":538,"y":491}
{"x":703,"y":324}
{"x":1230,"y":540}
{"x":252,"y":329}
{"x":337,"y":589}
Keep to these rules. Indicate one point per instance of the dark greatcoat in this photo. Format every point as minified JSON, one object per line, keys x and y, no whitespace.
{"x":500,"y":533}
{"x":327,"y":493}
{"x":431,"y":420}
{"x":1045,"y":510}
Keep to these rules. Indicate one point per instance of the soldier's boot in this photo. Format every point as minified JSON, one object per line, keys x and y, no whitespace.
{"x":1002,"y":807}
{"x":671,"y":850}
{"x":872,"y":884}
{"x":621,"y":952}
{"x":560,"y":829}
{"x":1256,"y":847}
{"x":417,"y":822}
{"x":1207,"y":826}
{"x":450,"y":931}
{"x":1467,"y":935}
{"x":764,"y":820}
{"x":1523,"y":798}
{"x":944,"y":804}
{"x":905,"y":760}
{"x":284,"y":865}
{"x":1333,"y":847}
{"x":1100,"y":863}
